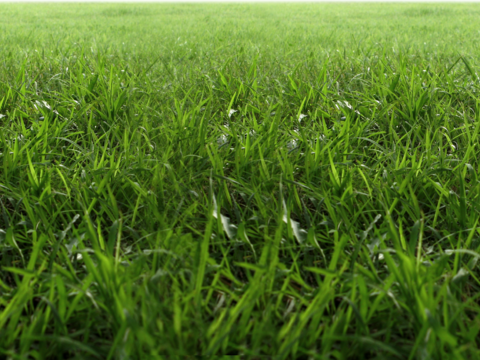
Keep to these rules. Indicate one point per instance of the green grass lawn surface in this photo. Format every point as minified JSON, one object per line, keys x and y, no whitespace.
{"x":262,"y":181}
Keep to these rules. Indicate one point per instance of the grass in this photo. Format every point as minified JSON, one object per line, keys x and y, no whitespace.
{"x":257,"y":181}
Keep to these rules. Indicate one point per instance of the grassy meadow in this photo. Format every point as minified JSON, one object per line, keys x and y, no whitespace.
{"x":239,"y":181}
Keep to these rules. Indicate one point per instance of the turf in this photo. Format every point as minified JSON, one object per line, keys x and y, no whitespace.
{"x":257,"y":181}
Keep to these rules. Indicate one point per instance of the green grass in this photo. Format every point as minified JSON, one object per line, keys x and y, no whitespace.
{"x":142,"y":218}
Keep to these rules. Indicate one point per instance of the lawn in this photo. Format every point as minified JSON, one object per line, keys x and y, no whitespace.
{"x":260,"y":181}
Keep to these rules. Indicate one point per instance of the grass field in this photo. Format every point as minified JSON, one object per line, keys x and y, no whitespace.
{"x":265,"y":181}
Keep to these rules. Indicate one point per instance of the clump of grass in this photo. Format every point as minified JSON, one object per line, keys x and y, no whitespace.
{"x":176,"y":181}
